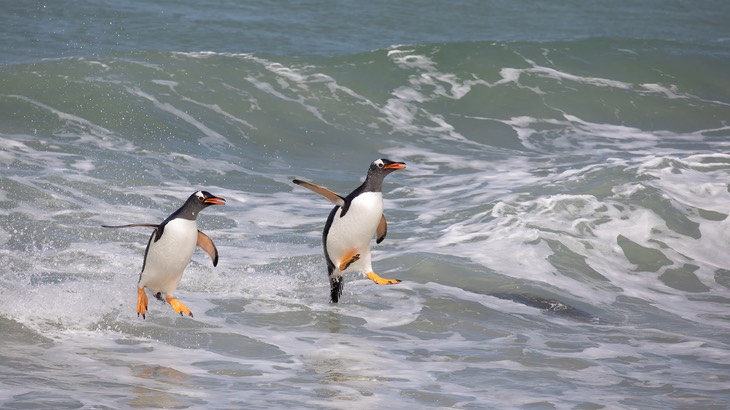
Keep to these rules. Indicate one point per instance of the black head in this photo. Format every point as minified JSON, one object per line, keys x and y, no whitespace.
{"x":196,"y":203}
{"x":377,"y":172}
{"x":384,"y":166}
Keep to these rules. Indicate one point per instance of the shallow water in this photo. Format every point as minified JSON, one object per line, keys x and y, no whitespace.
{"x":561,"y":228}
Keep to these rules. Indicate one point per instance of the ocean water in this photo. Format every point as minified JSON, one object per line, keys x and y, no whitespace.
{"x":561,"y":231}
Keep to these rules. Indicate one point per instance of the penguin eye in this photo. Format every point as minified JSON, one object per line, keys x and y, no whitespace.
{"x":379,"y":164}
{"x":200,"y":196}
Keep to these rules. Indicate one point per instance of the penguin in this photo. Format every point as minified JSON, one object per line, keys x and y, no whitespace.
{"x":170,"y":249}
{"x":351,"y":224}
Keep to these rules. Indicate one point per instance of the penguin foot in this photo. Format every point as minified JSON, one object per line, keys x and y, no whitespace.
{"x":178,"y":306}
{"x":380,"y":280}
{"x":141,"y":302}
{"x":349,"y":261}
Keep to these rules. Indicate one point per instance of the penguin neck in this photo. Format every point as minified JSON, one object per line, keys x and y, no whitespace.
{"x":186,"y":212}
{"x":373,"y":183}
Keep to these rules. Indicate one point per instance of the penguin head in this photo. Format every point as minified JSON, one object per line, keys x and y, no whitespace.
{"x":377,"y":172}
{"x":197,"y":202}
{"x":385,"y":166}
{"x":204,"y":199}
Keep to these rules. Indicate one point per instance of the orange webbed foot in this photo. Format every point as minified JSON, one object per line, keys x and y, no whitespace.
{"x":349,"y":261}
{"x":178,"y":306}
{"x":380,"y":280}
{"x":141,"y":303}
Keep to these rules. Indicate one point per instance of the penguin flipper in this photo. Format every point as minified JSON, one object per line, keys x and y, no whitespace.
{"x":206,"y":244}
{"x":332,"y":196}
{"x":158,"y":228}
{"x":382,"y":229}
{"x":154,"y":226}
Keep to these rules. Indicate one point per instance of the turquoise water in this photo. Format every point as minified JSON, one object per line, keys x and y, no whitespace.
{"x":561,"y":228}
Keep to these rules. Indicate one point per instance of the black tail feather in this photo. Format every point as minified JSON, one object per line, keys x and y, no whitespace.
{"x":336,"y":285}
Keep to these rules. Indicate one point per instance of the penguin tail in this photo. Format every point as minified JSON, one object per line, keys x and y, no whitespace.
{"x":337,"y":283}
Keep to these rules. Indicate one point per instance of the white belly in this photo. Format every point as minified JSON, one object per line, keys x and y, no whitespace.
{"x":353,"y":232}
{"x":167,"y":258}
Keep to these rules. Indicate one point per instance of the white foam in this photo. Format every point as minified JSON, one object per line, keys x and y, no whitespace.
{"x":172,"y":85}
{"x":489,"y":219}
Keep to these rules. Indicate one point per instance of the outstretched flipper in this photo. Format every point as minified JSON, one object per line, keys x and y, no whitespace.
{"x":158,"y":228}
{"x":206,"y":244}
{"x":141,"y":302}
{"x":333,"y":197}
{"x":178,"y":306}
{"x":382,"y":229}
{"x":154,"y":226}
{"x":380,"y":280}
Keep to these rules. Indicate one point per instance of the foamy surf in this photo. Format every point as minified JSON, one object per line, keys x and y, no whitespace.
{"x":560,"y":229}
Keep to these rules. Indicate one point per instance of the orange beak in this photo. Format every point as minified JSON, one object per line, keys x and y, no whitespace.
{"x":395,"y":165}
{"x":215,"y":201}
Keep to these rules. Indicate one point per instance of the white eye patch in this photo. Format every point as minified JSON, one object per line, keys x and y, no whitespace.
{"x":379,"y":163}
{"x":200,"y":195}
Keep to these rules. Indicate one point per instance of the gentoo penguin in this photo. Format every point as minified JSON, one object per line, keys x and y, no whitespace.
{"x":351,"y":225}
{"x":170,"y":249}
